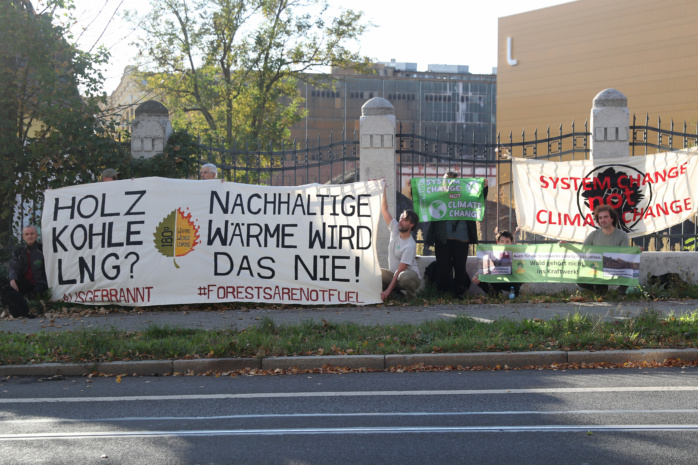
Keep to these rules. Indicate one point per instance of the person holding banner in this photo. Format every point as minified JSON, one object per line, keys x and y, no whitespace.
{"x":208,"y":171}
{"x":403,"y":273}
{"x":451,"y":240}
{"x":609,"y":235}
{"x":492,"y":289}
{"x":110,"y":174}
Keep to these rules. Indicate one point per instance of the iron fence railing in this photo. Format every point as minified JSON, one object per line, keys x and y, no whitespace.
{"x":428,"y":153}
{"x":646,"y":139}
{"x":328,"y":161}
{"x":431,"y":155}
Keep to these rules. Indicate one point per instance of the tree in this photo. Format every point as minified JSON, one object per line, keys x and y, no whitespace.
{"x":50,"y":135}
{"x":232,"y":66}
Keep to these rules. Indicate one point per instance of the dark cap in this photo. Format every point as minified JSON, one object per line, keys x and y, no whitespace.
{"x":109,"y":173}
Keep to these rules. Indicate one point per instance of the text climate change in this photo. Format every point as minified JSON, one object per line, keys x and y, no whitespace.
{"x":650,"y":193}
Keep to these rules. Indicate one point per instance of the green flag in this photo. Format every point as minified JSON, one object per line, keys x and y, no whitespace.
{"x":439,"y":199}
{"x":568,"y":263}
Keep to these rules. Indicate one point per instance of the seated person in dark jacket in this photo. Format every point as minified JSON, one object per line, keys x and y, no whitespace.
{"x":492,"y":289}
{"x":27,"y":272}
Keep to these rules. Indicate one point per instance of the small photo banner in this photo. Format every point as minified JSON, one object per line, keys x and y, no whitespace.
{"x":553,"y":263}
{"x":439,"y":199}
{"x":157,"y":241}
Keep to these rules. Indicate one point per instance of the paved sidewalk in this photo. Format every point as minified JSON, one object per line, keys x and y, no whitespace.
{"x":134,"y":321}
{"x":221,"y":319}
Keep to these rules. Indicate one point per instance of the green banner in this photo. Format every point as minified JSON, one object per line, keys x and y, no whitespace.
{"x":568,"y":263}
{"x":439,"y":199}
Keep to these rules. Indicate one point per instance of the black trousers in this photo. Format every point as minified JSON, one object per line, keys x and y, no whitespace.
{"x":492,"y":289}
{"x":26,"y":287}
{"x":601,"y":289}
{"x":451,"y":258}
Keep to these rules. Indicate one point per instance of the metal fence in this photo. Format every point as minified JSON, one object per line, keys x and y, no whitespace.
{"x":646,"y":139}
{"x":432,"y":154}
{"x":426,"y":153}
{"x":310,"y":162}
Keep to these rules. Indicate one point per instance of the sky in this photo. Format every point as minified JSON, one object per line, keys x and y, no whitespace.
{"x":454,"y":32}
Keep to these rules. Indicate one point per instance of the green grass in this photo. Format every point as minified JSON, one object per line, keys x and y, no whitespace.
{"x":461,"y":334}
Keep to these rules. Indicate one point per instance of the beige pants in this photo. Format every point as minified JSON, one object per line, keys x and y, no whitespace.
{"x":407,"y":281}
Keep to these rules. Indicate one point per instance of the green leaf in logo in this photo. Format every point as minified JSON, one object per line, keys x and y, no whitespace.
{"x":176,"y":235}
{"x":165,"y":236}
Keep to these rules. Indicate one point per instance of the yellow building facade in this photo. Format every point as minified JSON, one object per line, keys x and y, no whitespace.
{"x":553,"y":61}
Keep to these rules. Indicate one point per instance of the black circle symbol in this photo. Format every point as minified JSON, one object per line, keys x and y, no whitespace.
{"x":623,"y":196}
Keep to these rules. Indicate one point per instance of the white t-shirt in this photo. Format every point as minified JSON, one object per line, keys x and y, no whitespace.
{"x":401,"y":250}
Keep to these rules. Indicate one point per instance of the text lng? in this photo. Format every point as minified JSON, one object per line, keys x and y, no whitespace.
{"x":155,"y":241}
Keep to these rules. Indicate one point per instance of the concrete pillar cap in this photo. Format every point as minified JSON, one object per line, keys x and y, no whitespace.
{"x":610,"y":98}
{"x":377,"y":106}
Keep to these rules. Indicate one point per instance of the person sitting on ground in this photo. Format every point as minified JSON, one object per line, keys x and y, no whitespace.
{"x":403,"y":273}
{"x":208,"y":171}
{"x":110,"y":174}
{"x":27,"y":273}
{"x":608,"y":234}
{"x":493,"y":289}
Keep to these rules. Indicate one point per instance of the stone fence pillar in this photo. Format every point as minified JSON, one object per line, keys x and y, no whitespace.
{"x":150,"y":129}
{"x":610,"y":120}
{"x":377,"y":159}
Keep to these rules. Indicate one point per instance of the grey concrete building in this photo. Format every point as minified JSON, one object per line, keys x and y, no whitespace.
{"x":445,"y":98}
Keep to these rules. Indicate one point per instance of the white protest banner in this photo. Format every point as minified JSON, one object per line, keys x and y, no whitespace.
{"x":156,"y":241}
{"x":650,"y":193}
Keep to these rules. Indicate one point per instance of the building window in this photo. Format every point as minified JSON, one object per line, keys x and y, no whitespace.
{"x":324,"y":93}
{"x":474,"y":98}
{"x":438,"y":97}
{"x":400,"y":96}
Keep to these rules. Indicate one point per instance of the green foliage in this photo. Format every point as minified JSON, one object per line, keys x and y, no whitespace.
{"x":50,"y":135}
{"x":231,"y":68}
{"x":179,"y":160}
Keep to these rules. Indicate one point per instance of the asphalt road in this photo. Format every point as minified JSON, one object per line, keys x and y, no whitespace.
{"x":375,"y":315}
{"x":589,"y":417}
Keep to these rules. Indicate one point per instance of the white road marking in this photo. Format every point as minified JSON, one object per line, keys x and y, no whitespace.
{"x":272,"y":395}
{"x":360,"y":430}
{"x":345,"y":415}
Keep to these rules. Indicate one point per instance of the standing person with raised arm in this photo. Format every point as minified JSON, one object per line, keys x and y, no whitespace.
{"x":403,"y":272}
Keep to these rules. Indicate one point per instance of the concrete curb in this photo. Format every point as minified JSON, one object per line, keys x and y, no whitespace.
{"x":372,"y":362}
{"x":512,"y":360}
{"x":140,"y":368}
{"x":47,"y":369}
{"x":215,"y":364}
{"x":622,"y":356}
